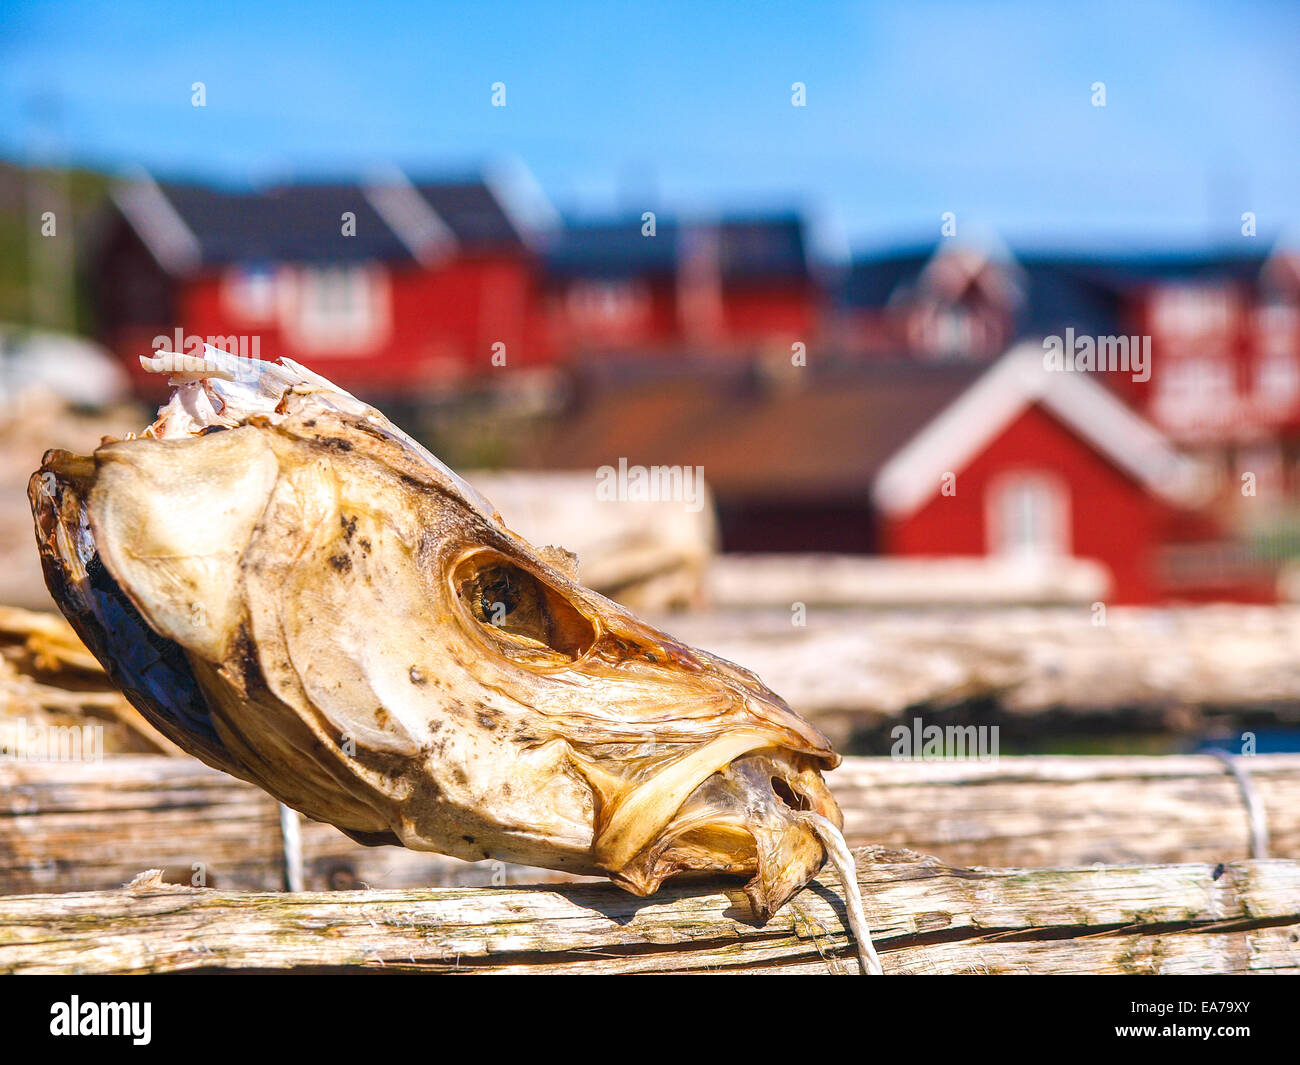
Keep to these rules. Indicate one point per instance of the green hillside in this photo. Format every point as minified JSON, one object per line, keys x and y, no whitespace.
{"x":24,"y":195}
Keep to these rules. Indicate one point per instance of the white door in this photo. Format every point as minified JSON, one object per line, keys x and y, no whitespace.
{"x":1028,"y":515}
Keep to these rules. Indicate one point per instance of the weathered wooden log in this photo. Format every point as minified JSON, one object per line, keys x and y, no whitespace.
{"x":647,"y":555}
{"x":67,"y":826}
{"x":750,"y":581}
{"x":48,"y":680}
{"x":86,"y":826}
{"x":1067,"y":810}
{"x":926,"y":918}
{"x":1038,"y":669}
{"x":857,"y":673}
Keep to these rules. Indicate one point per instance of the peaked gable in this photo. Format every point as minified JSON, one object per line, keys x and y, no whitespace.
{"x":1014,"y":383}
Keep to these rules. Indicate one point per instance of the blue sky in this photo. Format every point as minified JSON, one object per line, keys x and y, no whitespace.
{"x":912,"y":109}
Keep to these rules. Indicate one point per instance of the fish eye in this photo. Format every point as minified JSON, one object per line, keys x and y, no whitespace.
{"x":513,"y":603}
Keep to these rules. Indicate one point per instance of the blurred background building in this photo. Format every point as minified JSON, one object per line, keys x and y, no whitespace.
{"x":825,"y":402}
{"x":885,"y":398}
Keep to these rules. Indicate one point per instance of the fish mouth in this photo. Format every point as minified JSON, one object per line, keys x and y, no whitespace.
{"x":747,"y":818}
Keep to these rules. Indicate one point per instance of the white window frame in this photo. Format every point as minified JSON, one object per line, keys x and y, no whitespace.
{"x":344,"y":309}
{"x":250,"y":291}
{"x":1047,"y":496}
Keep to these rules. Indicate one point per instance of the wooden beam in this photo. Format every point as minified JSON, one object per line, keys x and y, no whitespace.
{"x":926,"y":918}
{"x":1070,"y":810}
{"x":69,"y":826}
{"x":1180,"y":670}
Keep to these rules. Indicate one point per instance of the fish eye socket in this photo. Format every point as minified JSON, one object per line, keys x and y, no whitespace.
{"x":510,"y":601}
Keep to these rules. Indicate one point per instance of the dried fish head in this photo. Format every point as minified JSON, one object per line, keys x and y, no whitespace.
{"x":297,"y":593}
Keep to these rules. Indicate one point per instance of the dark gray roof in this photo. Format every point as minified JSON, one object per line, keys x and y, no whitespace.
{"x":1195,"y":266}
{"x":297,"y":223}
{"x":613,"y":250}
{"x":473,"y":214}
{"x":828,"y":437}
{"x":1086,"y":292}
{"x":304,"y":222}
{"x":749,"y":249}
{"x":762,"y":249}
{"x":871,"y":280}
{"x":1091,"y":293}
{"x":1061,"y":294}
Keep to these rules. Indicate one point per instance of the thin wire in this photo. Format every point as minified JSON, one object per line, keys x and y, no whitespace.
{"x":1257,"y":819}
{"x":292,"y":836}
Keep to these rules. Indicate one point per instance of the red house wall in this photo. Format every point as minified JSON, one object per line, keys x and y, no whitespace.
{"x":757,"y":314}
{"x":649,"y":320}
{"x":1112,"y":518}
{"x":444,"y":323}
{"x":745,"y":317}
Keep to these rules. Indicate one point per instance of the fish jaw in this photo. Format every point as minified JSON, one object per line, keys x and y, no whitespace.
{"x":743,"y":820}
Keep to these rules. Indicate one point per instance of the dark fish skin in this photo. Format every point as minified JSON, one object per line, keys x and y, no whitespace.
{"x":151,"y":670}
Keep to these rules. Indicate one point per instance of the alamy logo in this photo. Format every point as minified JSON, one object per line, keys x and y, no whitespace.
{"x":231,"y":357}
{"x":1105,"y":354}
{"x":651,"y":484}
{"x":20,"y":742}
{"x":181,"y":343}
{"x":937,"y":743}
{"x":103,"y":1018}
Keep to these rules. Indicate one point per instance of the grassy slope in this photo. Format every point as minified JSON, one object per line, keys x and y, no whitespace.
{"x":86,"y":192}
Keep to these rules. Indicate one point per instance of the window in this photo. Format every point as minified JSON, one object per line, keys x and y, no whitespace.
{"x":1028,"y":516}
{"x":340,"y":308}
{"x":1194,"y":393}
{"x":1189,"y":310}
{"x":249,"y":291}
{"x":1277,"y":382}
{"x":1276,"y":326}
{"x":954,"y":331}
{"x":608,"y":310}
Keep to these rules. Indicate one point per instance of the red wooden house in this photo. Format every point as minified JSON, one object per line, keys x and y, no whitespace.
{"x":739,"y":285}
{"x":920,"y":459}
{"x":1225,"y":334}
{"x":387,"y":287}
{"x":1226,"y":325}
{"x":955,"y":301}
{"x":1036,"y":465}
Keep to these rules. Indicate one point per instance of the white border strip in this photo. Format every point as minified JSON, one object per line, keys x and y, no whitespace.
{"x":148,"y":211}
{"x":522,"y":200}
{"x":411,"y":217}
